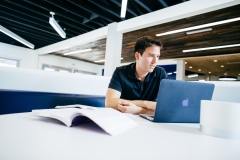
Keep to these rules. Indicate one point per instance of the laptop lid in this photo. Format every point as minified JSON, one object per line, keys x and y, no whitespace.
{"x":179,"y":101}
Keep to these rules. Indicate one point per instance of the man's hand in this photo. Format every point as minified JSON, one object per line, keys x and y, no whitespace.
{"x":128,"y":107}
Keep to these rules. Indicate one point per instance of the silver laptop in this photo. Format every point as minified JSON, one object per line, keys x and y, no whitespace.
{"x":179,"y":101}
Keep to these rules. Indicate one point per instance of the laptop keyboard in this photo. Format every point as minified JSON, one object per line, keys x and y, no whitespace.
{"x":150,"y":117}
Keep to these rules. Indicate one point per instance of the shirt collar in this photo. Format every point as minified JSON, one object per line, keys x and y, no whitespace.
{"x":131,"y":73}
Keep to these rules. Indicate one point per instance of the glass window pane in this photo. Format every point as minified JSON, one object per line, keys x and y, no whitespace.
{"x":8,"y":62}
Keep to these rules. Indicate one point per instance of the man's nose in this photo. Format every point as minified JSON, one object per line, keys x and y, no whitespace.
{"x":155,"y":58}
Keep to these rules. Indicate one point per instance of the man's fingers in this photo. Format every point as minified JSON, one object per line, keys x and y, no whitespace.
{"x":124,"y":103}
{"x":122,"y":108}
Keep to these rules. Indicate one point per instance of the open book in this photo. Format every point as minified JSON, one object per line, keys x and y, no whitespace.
{"x":110,"y":120}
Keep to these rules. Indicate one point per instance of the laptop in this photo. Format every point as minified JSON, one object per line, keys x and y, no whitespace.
{"x":179,"y":101}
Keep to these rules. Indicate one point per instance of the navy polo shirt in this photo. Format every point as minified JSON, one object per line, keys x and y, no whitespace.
{"x":125,"y":81}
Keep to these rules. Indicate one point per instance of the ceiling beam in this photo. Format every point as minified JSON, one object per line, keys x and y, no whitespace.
{"x":65,"y":6}
{"x":164,"y":4}
{"x":72,"y":42}
{"x":58,"y":13}
{"x":136,"y":8}
{"x":128,"y":8}
{"x":87,"y":7}
{"x":105,"y":7}
{"x":12,"y":20}
{"x":143,"y":5}
{"x":173,"y":13}
{"x":41,"y":13}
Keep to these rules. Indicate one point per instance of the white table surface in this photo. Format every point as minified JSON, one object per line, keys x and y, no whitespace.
{"x":27,"y":137}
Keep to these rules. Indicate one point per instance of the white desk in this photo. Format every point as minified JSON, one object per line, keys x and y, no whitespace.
{"x":27,"y":137}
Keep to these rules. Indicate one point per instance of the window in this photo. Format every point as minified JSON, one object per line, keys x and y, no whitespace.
{"x":9,"y":62}
{"x":55,"y":68}
{"x":83,"y":72}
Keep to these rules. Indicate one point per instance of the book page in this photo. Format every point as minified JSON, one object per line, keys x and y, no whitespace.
{"x":77,"y":106}
{"x":111,"y":120}
{"x":65,"y":115}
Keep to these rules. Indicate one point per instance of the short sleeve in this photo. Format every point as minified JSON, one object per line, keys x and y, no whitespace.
{"x":164,"y":74}
{"x":115,"y":82}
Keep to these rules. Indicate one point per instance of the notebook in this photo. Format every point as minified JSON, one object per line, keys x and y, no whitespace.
{"x":179,"y":101}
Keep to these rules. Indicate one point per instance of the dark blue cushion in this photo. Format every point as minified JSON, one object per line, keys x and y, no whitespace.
{"x":25,"y":101}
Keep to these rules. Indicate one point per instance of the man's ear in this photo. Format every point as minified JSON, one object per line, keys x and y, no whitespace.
{"x":137,"y":55}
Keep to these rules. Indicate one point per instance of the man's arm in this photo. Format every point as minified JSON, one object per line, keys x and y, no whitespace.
{"x":136,"y":107}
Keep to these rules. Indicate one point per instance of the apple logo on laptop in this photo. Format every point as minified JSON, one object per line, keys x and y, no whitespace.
{"x":185,"y":102}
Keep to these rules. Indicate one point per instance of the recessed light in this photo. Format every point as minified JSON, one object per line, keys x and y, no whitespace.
{"x":190,"y":66}
{"x":199,"y":70}
{"x":209,"y":72}
{"x":185,"y":62}
{"x":222,"y":65}
{"x":215,"y":60}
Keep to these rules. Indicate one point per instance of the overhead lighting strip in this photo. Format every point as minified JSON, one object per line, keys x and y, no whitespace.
{"x":209,"y":48}
{"x":199,"y":26}
{"x":56,"y":26}
{"x":16,"y":37}
{"x":192,"y":75}
{"x":103,"y":60}
{"x":124,"y":8}
{"x":79,"y":51}
{"x":199,"y":31}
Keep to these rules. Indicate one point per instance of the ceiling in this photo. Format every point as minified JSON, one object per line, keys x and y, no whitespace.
{"x":220,"y":65}
{"x":29,"y":19}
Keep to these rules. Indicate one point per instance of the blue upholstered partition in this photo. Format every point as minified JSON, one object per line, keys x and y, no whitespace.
{"x":25,"y":101}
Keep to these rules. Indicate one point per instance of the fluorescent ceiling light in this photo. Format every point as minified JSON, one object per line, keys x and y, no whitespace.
{"x":124,"y":8}
{"x":56,"y":26}
{"x":199,"y":26}
{"x":192,"y":75}
{"x":79,"y":51}
{"x":103,"y":60}
{"x":208,"y":48}
{"x":199,"y":31}
{"x":201,"y":80}
{"x":227,"y":78}
{"x":16,"y":37}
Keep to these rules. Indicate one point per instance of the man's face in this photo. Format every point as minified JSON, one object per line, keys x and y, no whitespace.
{"x":147,"y":62}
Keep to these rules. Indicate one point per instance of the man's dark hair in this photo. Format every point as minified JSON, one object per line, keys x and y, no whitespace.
{"x":146,"y":41}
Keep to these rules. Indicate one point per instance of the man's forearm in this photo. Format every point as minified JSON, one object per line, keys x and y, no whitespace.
{"x":145,"y":104}
{"x":146,"y":107}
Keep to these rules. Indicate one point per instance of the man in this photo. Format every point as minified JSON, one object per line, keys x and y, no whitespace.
{"x":134,"y":87}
